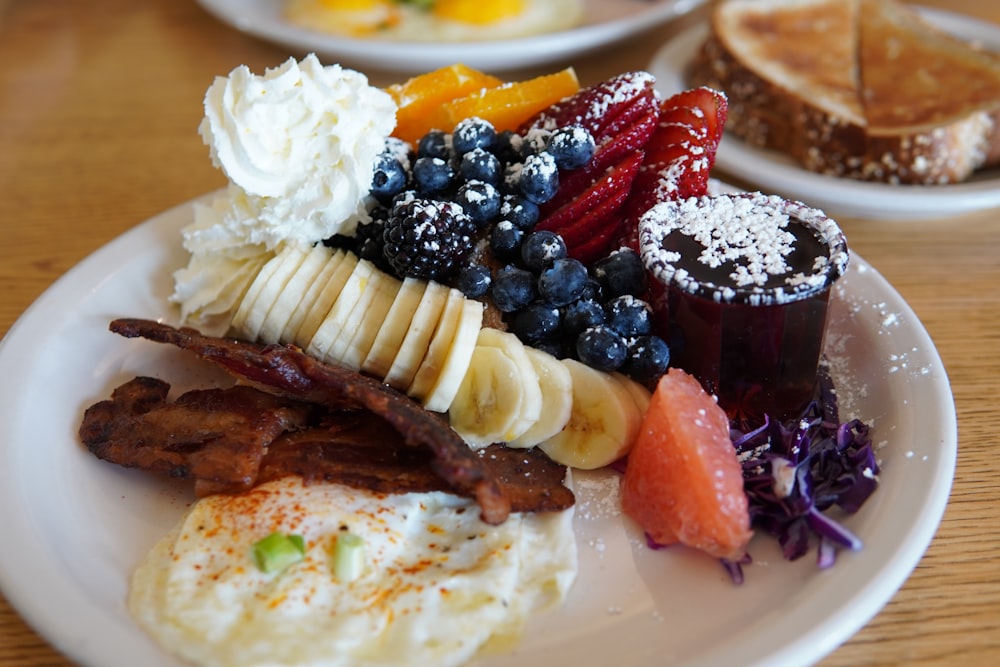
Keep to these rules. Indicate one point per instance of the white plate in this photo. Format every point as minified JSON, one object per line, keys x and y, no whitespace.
{"x":75,"y":527}
{"x":775,"y":172}
{"x":604,"y":23}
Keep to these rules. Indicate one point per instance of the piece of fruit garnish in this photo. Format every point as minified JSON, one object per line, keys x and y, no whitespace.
{"x":510,"y":105}
{"x":680,"y":154}
{"x":683,"y":483}
{"x":477,"y":11}
{"x":421,"y":98}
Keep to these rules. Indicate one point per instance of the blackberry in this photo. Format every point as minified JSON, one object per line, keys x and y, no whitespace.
{"x":369,"y":240}
{"x":427,"y":239}
{"x":563,"y":281}
{"x":571,"y":147}
{"x":542,"y":248}
{"x":647,"y":359}
{"x":621,"y":272}
{"x":602,"y":348}
{"x":629,"y":316}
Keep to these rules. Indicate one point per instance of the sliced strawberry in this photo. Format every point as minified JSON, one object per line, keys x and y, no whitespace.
{"x":572,"y":183}
{"x":598,"y":107}
{"x":679,"y":155}
{"x":594,"y":222}
{"x":615,"y":181}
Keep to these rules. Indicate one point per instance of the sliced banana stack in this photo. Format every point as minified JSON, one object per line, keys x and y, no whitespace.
{"x":418,"y":336}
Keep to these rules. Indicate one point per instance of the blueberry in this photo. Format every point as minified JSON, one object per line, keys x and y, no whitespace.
{"x":432,"y":175}
{"x":647,"y":359}
{"x":388,"y":178}
{"x":593,"y":290}
{"x":582,"y":314}
{"x":601,"y":348}
{"x":480,"y":165}
{"x":480,"y":200}
{"x":535,"y":141}
{"x":621,"y":272}
{"x":505,"y":241}
{"x":513,"y":289}
{"x":472,"y":133}
{"x":435,"y":144}
{"x":629,"y":316}
{"x":536,"y":322}
{"x":571,"y":147}
{"x":539,"y":178}
{"x":562,"y":282}
{"x":520,"y":211}
{"x":541,"y":248}
{"x":508,"y":146}
{"x":474,"y":280}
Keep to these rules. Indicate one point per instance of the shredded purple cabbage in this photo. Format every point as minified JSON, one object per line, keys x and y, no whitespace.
{"x":794,"y":471}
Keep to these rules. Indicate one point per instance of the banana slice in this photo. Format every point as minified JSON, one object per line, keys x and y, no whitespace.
{"x":485,"y":408}
{"x":557,"y":399}
{"x":367,"y":317}
{"x":639,"y":393}
{"x":325,"y":342}
{"x":286,"y":303}
{"x":328,"y":294}
{"x":394,"y":327}
{"x":418,"y":336}
{"x":437,"y":350}
{"x":604,"y":422}
{"x":307,"y":299}
{"x":286,"y":263}
{"x":530,"y":409}
{"x":456,"y":362}
{"x":239,"y":322}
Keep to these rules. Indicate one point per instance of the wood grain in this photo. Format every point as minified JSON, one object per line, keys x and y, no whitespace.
{"x":99,"y":104}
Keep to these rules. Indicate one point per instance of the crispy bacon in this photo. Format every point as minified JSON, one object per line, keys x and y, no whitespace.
{"x":288,"y":372}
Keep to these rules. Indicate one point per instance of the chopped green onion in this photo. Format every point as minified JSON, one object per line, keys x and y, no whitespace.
{"x":348,"y":557}
{"x":276,"y":552}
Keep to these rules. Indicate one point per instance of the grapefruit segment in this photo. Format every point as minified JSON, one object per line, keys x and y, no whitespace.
{"x":683,"y":483}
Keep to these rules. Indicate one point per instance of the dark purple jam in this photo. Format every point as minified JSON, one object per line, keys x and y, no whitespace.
{"x":741,"y":286}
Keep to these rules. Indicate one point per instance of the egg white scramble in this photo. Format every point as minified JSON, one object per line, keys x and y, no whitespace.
{"x":396,"y":21}
{"x":437,"y":585}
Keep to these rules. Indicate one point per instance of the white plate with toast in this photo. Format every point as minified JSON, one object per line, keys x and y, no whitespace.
{"x":76,"y":527}
{"x":775,"y":172}
{"x":603,"y":23}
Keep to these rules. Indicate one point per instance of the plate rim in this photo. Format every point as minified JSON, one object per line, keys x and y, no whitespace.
{"x":812,"y":645}
{"x":774,"y":171}
{"x":494,"y":55}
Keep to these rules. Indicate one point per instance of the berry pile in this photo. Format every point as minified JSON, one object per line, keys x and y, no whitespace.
{"x":539,"y":222}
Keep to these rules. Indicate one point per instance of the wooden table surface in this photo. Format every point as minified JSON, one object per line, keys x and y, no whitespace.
{"x":99,"y":104}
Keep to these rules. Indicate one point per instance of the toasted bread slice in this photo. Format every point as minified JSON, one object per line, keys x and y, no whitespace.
{"x":858,"y":88}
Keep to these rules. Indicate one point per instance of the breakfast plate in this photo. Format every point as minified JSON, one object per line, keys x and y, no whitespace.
{"x":76,"y":527}
{"x":603,"y":24}
{"x":775,"y":172}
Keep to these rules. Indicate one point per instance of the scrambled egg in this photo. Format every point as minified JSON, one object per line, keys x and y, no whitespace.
{"x":436,"y":587}
{"x":435,"y":20}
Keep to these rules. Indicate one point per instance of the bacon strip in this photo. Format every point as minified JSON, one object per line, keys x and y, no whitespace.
{"x":287,"y":371}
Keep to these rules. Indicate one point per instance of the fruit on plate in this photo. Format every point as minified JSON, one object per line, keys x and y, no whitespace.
{"x":683,"y":482}
{"x":604,"y":420}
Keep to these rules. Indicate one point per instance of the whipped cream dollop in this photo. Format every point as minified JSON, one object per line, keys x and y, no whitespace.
{"x":298,"y":146}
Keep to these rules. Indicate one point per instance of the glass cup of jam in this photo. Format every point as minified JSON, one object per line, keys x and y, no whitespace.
{"x":740,"y":285}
